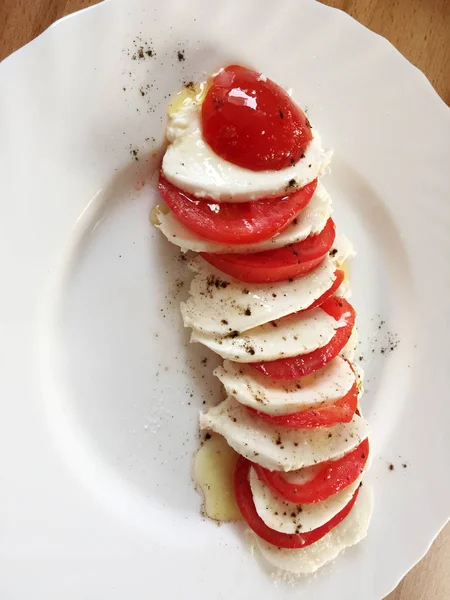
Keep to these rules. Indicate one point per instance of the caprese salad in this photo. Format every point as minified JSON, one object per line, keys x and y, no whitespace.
{"x":241,"y":186}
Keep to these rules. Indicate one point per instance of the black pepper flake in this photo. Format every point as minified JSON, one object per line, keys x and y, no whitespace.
{"x":391,"y":467}
{"x":281,"y":115}
{"x":180,"y":55}
{"x":245,"y":291}
{"x":333,"y":252}
{"x":190,"y":85}
{"x":248,"y":312}
{"x":291,"y":183}
{"x":308,"y":122}
{"x":204,"y":361}
{"x":213,"y":281}
{"x":404,"y":465}
{"x":303,"y":155}
{"x":224,"y":322}
{"x":232,"y":334}
{"x":207,"y":436}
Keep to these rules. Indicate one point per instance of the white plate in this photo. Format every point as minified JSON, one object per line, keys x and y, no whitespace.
{"x":98,"y":426}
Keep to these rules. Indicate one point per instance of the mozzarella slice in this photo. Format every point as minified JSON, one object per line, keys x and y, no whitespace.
{"x":190,"y":164}
{"x":310,"y":221}
{"x":349,"y":350}
{"x":219,"y":304}
{"x":278,"y":448}
{"x":287,"y":517}
{"x":291,"y":336}
{"x":276,"y":397}
{"x":349,"y":532}
{"x":342,"y":250}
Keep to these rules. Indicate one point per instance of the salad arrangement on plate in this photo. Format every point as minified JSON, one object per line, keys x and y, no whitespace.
{"x":241,"y":186}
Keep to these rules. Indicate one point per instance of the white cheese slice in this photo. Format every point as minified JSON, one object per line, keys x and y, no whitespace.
{"x":218,"y":304}
{"x":311,"y":220}
{"x":287,"y":517}
{"x":349,"y":532}
{"x":276,"y":397}
{"x":278,"y":448}
{"x":190,"y":164}
{"x":291,"y":336}
{"x":349,"y":350}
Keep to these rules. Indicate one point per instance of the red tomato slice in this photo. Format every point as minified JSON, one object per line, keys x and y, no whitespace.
{"x":235,"y":222}
{"x":304,"y":364}
{"x":341,"y":411}
{"x":244,"y":499}
{"x":276,"y":265}
{"x":339,"y":274}
{"x":334,"y":476}
{"x":339,"y":278}
{"x":252,"y":122}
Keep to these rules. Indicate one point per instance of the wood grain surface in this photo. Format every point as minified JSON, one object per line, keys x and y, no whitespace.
{"x":420,"y":29}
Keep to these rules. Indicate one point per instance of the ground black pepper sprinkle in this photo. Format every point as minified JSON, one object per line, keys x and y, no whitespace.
{"x":333,"y":252}
{"x":391,"y":467}
{"x":180,"y":55}
{"x":233,"y":334}
{"x":248,"y":312}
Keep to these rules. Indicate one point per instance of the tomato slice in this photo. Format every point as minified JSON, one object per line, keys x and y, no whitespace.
{"x":304,"y":364}
{"x":252,"y":122}
{"x":244,"y":499}
{"x":339,"y":274}
{"x":341,"y":411}
{"x":276,"y":265}
{"x":339,"y":278}
{"x":334,"y":476}
{"x":235,"y":222}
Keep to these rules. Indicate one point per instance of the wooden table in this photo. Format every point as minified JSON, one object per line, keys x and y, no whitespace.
{"x":420,"y":29}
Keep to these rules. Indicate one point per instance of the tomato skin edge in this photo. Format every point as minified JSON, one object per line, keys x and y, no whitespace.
{"x":334,"y":477}
{"x":262,"y":275}
{"x":341,"y":411}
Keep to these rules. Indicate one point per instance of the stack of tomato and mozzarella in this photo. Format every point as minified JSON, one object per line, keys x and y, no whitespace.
{"x":241,"y":179}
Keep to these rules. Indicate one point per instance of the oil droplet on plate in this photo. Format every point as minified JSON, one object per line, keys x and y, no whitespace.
{"x":191,"y":93}
{"x":346,"y":268}
{"x":213,"y":473}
